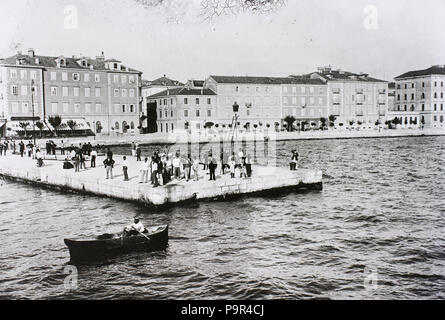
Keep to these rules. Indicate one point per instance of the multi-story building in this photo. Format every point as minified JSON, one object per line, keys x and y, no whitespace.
{"x":259,"y":100}
{"x":101,"y":94}
{"x":353,"y":97}
{"x":419,"y":98}
{"x":306,"y":100}
{"x":182,"y":108}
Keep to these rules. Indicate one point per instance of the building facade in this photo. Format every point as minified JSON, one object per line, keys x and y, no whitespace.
{"x":305,"y":100}
{"x":259,"y":100}
{"x":183,"y":109}
{"x":101,"y":94}
{"x":419,"y":98}
{"x":354,"y":97}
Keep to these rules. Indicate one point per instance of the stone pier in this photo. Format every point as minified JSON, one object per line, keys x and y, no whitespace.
{"x":93,"y":181}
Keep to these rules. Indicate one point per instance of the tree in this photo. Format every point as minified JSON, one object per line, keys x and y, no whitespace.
{"x":323,"y":122}
{"x":332,"y":120}
{"x":41,"y":126}
{"x":289,"y":121}
{"x":71,"y":124}
{"x":55,"y":122}
{"x":24,"y":125}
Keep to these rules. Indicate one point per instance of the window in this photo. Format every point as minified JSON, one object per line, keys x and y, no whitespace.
{"x":54,"y":107}
{"x":209,"y":113}
{"x":25,"y":107}
{"x":98,"y":108}
{"x":34,"y":75}
{"x":64,"y":76}
{"x":166,"y":113}
{"x":441,"y":95}
{"x":197,"y":100}
{"x":236,"y":89}
{"x":66,"y":107}
{"x":186,"y":113}
{"x":173,"y":127}
{"x":76,"y":91}
{"x":124,"y":79}
{"x":23,"y":74}
{"x":165,"y":102}
{"x":15,"y":107}
{"x":311,"y":89}
{"x":285,"y":89}
{"x":116,"y":93}
{"x":197,"y":113}
{"x":53,"y":76}
{"x":406,"y":108}
{"x":124,"y":107}
{"x":76,"y":77}
{"x":312,"y":100}
{"x":15,"y":90}
{"x":124,"y":93}
{"x":13,"y":75}
{"x":160,"y":114}
{"x":435,"y":83}
{"x":88,"y":107}
{"x":303,"y":90}
{"x":423,"y":107}
{"x":412,"y":96}
{"x":412,"y":85}
{"x":65,"y":91}
{"x":116,"y":126}
{"x":77,"y":107}
{"x":405,"y":97}
{"x":186,"y":101}
{"x":171,"y":113}
{"x":209,"y":100}
{"x":132,"y":125}
{"x":131,"y":79}
{"x":24,"y":90}
{"x":435,"y":95}
{"x":435,"y":107}
{"x":398,"y":97}
{"x":441,"y":107}
{"x":423,"y":95}
{"x":423,"y":84}
{"x":132,"y":108}
{"x":86,"y":77}
{"x":87,"y":92}
{"x":160,"y":102}
{"x":161,"y":127}
{"x":97,"y":91}
{"x":131,"y":93}
{"x":53,"y":91}
{"x":97,"y":78}
{"x":435,"y":118}
{"x":116,"y":78}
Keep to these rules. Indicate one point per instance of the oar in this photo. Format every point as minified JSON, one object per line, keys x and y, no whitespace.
{"x":143,"y":235}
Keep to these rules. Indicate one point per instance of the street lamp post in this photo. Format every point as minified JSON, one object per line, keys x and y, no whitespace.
{"x":379,"y":115}
{"x":33,"y":119}
{"x":235,"y":108}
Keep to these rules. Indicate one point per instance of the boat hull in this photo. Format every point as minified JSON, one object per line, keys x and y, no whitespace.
{"x":84,"y":251}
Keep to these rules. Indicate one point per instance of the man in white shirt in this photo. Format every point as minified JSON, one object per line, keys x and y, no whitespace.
{"x":135,"y":228}
{"x":177,"y":167}
{"x":144,"y":171}
{"x":125,"y":168}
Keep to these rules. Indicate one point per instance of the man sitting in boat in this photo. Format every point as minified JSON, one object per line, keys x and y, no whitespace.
{"x":135,"y":228}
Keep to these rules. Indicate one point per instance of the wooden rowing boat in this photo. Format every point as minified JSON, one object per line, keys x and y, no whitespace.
{"x":108,"y":245}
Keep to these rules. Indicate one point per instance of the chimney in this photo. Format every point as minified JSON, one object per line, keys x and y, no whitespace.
{"x":31,"y":52}
{"x":101,"y":57}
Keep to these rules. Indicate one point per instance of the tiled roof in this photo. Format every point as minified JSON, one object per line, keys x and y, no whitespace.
{"x":183,"y":92}
{"x":266,"y":80}
{"x":434,"y":70}
{"x":51,"y":62}
{"x":335,"y":75}
{"x":162,"y":81}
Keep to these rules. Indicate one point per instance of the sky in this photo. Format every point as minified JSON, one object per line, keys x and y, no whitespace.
{"x":382,"y":38}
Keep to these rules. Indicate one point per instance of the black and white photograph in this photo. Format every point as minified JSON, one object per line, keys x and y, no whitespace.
{"x":222,"y":150}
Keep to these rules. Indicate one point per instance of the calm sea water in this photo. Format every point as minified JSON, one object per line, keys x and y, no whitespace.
{"x":381,"y":216}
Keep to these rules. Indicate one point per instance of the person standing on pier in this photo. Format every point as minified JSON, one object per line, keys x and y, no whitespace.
{"x":125,"y":168}
{"x":93,"y":158}
{"x":21,"y":148}
{"x":109,"y":164}
{"x":133,"y":149}
{"x":76,"y":162}
{"x":177,"y":167}
{"x":248,"y":166}
{"x":143,"y":169}
{"x":232,"y":165}
{"x":62,"y":148}
{"x":188,"y":167}
{"x":196,"y":168}
{"x":138,"y":153}
{"x":294,"y":160}
{"x":212,"y":167}
{"x":82,"y":160}
{"x":154,"y":172}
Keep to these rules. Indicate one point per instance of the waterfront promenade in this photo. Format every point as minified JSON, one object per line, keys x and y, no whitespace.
{"x":182,"y":137}
{"x":93,"y":181}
